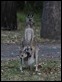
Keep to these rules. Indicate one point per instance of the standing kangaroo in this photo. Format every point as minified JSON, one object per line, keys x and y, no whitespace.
{"x":29,"y":53}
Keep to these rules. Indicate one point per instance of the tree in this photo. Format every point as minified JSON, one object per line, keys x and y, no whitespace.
{"x":51,"y":20}
{"x":8,"y":15}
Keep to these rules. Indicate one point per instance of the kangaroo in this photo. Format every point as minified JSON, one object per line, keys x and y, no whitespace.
{"x":29,"y":53}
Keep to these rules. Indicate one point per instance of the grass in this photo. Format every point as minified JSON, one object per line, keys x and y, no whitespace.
{"x":49,"y":71}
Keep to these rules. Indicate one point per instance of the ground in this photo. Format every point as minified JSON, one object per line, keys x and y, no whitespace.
{"x":49,"y":56}
{"x":49,"y":59}
{"x":49,"y":71}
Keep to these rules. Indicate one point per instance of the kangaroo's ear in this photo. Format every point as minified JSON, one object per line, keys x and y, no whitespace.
{"x":32,"y":15}
{"x":28,"y":15}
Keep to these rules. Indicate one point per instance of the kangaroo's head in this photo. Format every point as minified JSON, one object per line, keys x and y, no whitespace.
{"x":29,"y":19}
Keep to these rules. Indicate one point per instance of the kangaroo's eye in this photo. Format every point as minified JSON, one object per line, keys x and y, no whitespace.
{"x":29,"y":19}
{"x":31,"y":48}
{"x":27,"y":49}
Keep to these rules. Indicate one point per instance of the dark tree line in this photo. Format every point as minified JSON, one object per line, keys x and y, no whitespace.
{"x":30,"y":6}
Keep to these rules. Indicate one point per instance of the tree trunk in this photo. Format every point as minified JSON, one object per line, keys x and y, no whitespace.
{"x":8,"y":15}
{"x":51,"y":20}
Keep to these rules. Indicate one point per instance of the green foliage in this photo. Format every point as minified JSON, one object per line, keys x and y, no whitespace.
{"x":21,"y":17}
{"x":30,"y":6}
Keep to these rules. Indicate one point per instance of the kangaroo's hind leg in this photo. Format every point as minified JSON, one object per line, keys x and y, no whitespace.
{"x":36,"y":54}
{"x":21,"y":66}
{"x":22,"y":63}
